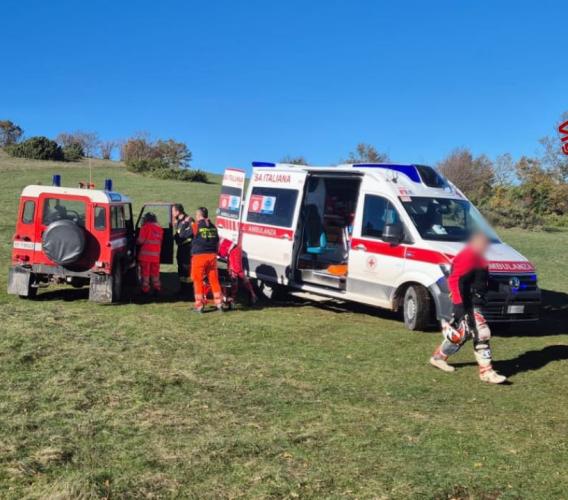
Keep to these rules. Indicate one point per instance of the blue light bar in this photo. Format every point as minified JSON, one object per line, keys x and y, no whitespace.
{"x":408,"y":170}
{"x":108,"y":184}
{"x":257,"y":164}
{"x":56,"y":180}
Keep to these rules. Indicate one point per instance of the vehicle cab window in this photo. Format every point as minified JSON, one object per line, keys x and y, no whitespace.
{"x":117,"y":219}
{"x":100,"y":218}
{"x":55,"y":209}
{"x":377,"y":213}
{"x":28,"y":212}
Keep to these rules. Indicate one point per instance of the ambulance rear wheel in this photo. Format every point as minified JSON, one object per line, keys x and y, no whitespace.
{"x":417,"y":308}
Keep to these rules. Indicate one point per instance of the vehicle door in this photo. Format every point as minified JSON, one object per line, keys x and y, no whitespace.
{"x":230,"y":204}
{"x":374,"y":265}
{"x":163,"y":212}
{"x":54,"y":207}
{"x":270,"y":221}
{"x":25,"y":238}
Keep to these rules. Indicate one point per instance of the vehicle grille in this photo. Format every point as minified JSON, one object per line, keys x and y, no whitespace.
{"x":502,"y":282}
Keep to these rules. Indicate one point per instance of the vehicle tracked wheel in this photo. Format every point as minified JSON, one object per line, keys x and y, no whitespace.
{"x":417,"y":308}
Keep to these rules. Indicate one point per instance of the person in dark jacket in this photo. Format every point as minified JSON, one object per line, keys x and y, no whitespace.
{"x":468,"y":285}
{"x":183,"y":236}
{"x":204,"y":260}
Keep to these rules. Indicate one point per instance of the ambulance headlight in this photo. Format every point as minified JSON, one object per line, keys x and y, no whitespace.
{"x":446,"y":269}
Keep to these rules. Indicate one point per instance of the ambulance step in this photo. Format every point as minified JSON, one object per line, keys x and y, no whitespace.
{"x":310,"y":296}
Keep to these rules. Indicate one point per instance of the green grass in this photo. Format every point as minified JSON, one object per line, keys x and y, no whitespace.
{"x":294,"y":400}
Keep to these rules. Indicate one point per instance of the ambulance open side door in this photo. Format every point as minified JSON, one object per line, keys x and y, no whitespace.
{"x":270,"y":222}
{"x":230,"y":204}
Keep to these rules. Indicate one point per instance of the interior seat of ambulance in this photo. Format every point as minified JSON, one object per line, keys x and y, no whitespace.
{"x":327,"y":216}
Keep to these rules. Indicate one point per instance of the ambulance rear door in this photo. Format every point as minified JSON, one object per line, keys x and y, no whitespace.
{"x":230,"y":204}
{"x":270,"y":221}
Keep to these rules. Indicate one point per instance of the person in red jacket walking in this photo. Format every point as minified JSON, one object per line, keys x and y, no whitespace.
{"x":233,"y":252}
{"x":468,"y":284}
{"x":150,"y":245}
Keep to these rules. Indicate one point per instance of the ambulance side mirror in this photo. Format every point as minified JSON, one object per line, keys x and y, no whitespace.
{"x":393,"y":233}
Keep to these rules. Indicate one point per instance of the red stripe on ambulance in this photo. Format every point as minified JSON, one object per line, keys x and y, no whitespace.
{"x":268,"y":231}
{"x":401,"y":251}
{"x":224,"y":223}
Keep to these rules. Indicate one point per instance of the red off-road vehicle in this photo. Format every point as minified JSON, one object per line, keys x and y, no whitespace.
{"x":80,"y":237}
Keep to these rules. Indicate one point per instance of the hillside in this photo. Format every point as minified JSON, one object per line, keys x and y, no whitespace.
{"x":285,"y":400}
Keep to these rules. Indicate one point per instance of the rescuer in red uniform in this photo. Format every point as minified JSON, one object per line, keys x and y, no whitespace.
{"x":468,"y":284}
{"x":150,"y":242}
{"x":234,"y":255}
{"x":204,"y":260}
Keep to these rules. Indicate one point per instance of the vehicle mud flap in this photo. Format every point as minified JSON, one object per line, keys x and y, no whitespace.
{"x":100,"y":289}
{"x":19,"y":281}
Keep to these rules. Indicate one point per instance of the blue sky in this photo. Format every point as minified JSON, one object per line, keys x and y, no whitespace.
{"x":257,"y":80}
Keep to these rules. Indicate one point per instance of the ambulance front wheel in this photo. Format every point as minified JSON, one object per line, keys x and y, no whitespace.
{"x":417,"y":308}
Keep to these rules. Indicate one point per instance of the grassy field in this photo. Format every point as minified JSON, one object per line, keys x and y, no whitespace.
{"x":294,"y":400}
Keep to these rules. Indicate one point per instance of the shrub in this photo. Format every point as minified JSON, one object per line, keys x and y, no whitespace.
{"x":160,"y":170}
{"x":73,"y":152}
{"x":145,"y":165}
{"x":36,"y":148}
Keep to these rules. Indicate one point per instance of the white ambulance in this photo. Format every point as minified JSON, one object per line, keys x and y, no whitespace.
{"x":377,"y":234}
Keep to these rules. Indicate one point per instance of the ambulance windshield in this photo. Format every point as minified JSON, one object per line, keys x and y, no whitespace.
{"x":443,"y":219}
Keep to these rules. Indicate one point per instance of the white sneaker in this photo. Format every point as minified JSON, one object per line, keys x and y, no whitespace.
{"x":492,"y":377}
{"x":442,"y":364}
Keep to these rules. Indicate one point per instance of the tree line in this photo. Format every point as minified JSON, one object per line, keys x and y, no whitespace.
{"x":530,"y":192}
{"x":162,"y":158}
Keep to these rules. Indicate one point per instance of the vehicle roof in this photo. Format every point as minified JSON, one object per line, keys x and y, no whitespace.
{"x":393,"y":176}
{"x":94,"y":195}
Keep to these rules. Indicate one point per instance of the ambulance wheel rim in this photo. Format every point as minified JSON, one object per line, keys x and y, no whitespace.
{"x":410,"y":308}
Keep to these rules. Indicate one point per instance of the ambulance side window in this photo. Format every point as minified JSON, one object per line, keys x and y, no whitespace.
{"x":100,"y":218}
{"x":377,"y":213}
{"x":117,"y":221}
{"x":28,"y":212}
{"x":274,"y":206}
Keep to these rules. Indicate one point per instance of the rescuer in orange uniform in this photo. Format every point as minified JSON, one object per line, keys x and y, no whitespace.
{"x":204,"y":260}
{"x":150,"y":241}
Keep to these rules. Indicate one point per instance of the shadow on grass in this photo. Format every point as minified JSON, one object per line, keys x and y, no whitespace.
{"x":528,"y":361}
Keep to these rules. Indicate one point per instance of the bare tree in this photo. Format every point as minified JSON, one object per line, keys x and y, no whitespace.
{"x":106,"y":149}
{"x":504,"y":171}
{"x":10,"y":133}
{"x":474,"y":176}
{"x":366,"y":153}
{"x":174,"y":154}
{"x":88,"y":141}
{"x":294,"y":160}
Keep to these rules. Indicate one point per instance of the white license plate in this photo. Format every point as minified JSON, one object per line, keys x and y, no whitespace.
{"x":515,"y":309}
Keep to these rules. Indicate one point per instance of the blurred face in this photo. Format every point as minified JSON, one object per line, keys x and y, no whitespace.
{"x":175,"y":212}
{"x":198,"y":215}
{"x":480,"y":243}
